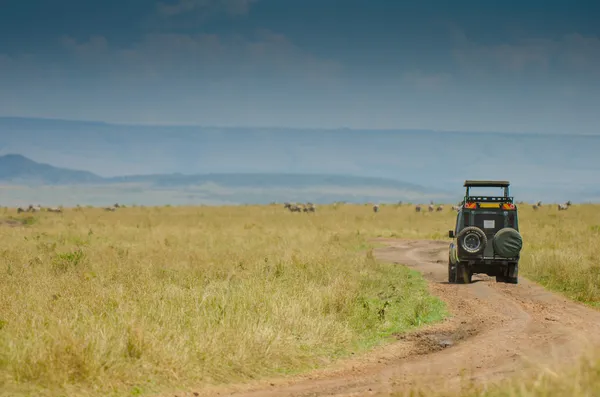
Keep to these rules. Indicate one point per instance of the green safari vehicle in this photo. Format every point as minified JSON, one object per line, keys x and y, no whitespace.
{"x":486,"y":236}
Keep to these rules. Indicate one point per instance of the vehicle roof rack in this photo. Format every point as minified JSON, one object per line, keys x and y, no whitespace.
{"x":489,"y":199}
{"x":505,"y":198}
{"x":471,"y":183}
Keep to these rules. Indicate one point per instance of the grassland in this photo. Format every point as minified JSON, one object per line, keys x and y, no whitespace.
{"x":145,"y":299}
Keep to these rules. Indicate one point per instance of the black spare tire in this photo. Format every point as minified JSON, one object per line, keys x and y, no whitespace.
{"x":472,"y":240}
{"x":507,"y":242}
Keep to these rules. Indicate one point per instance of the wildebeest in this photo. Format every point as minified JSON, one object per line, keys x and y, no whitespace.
{"x":430,"y":208}
{"x":565,"y":206}
{"x":293,"y":207}
{"x":112,"y":209}
{"x":54,"y":209}
{"x":376,"y":208}
{"x":440,"y":208}
{"x":535,"y":207}
{"x":418,"y":208}
{"x":456,"y":208}
{"x":539,"y":204}
{"x":310,"y":207}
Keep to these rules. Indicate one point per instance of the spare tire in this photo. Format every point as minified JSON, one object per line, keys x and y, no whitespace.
{"x":472,"y":240}
{"x":507,"y":242}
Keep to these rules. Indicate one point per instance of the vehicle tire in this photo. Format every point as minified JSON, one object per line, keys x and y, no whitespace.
{"x":451,"y":273}
{"x":472,"y":240}
{"x":512,"y":277}
{"x":507,"y":242}
{"x":462,"y":274}
{"x":513,"y":274}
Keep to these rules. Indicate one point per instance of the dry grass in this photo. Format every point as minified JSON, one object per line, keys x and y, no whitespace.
{"x":143,"y":299}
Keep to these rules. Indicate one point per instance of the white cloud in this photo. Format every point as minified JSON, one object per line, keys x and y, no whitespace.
{"x":570,"y":53}
{"x":205,"y":56}
{"x":426,"y":81}
{"x":231,"y":7}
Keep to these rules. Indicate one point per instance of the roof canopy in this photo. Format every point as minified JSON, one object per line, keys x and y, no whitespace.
{"x":486,"y":183}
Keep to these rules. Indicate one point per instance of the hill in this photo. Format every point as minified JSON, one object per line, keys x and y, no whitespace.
{"x":540,"y":167}
{"x":28,"y":181}
{"x":17,"y":169}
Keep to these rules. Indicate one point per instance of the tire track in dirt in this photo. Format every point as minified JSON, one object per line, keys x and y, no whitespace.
{"x":494,"y":331}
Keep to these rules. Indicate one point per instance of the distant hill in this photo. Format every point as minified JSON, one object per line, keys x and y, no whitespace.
{"x":70,"y":187}
{"x":17,"y":169}
{"x":543,"y":167}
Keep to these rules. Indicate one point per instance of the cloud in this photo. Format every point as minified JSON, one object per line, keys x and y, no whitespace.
{"x":203,"y":56}
{"x":573,"y":53}
{"x":230,"y":7}
{"x":426,"y":81}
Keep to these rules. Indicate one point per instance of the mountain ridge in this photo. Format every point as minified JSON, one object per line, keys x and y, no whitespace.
{"x":539,"y":166}
{"x":18,"y":167}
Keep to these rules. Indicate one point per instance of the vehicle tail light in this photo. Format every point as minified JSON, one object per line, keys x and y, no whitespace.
{"x":508,"y":206}
{"x":471,"y":205}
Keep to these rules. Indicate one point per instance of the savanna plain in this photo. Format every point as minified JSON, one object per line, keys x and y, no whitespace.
{"x":153,"y":300}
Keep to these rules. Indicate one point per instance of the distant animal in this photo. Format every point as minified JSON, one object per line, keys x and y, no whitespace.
{"x":376,"y":208}
{"x":539,"y":204}
{"x":20,"y":209}
{"x":535,"y":207}
{"x":430,"y":208}
{"x":456,"y":208}
{"x":112,"y":209}
{"x":440,"y":208}
{"x":565,"y":206}
{"x":54,"y":209}
{"x":418,"y":208}
{"x":310,"y":207}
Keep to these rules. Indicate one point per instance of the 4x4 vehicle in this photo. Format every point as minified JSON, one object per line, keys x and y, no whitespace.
{"x":486,"y":237}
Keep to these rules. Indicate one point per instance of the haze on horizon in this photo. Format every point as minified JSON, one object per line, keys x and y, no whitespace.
{"x":466,"y":66}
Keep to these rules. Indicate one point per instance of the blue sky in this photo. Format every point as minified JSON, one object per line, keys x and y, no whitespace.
{"x":514,"y":66}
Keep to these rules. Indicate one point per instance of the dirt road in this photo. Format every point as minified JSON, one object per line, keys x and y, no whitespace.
{"x":495,"y":330}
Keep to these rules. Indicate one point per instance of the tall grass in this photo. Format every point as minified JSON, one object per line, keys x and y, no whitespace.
{"x":140,"y":300}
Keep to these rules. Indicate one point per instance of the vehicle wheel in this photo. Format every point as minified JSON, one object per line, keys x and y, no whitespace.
{"x":512,"y":277}
{"x":472,"y":240}
{"x":507,"y":242}
{"x":513,"y":274}
{"x":462,"y":274}
{"x":451,"y":273}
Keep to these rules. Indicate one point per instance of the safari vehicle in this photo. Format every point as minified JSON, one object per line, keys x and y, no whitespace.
{"x":486,"y":236}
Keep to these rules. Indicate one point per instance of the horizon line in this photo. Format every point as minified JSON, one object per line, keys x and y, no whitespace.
{"x":328,"y":129}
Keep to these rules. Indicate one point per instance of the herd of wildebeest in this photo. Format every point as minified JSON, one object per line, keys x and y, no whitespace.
{"x":38,"y":208}
{"x":310,"y":207}
{"x":297,"y":207}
